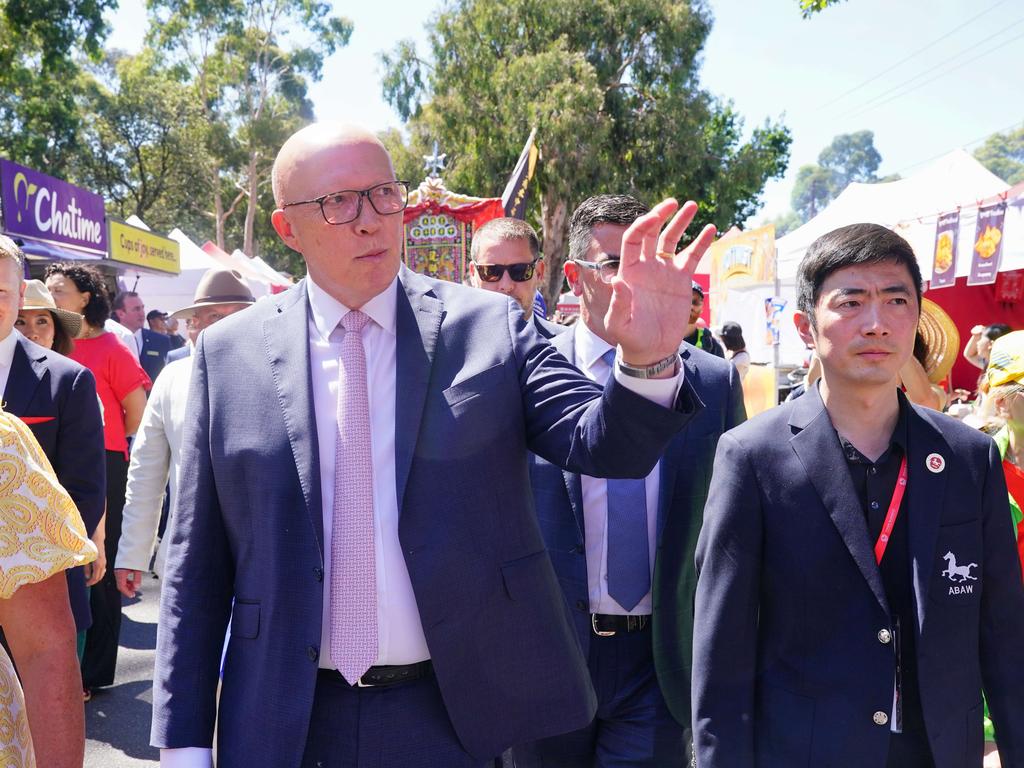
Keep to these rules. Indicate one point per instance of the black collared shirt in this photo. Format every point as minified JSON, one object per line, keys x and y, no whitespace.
{"x":875,"y":483}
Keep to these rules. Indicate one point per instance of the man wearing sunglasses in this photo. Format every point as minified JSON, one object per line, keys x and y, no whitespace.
{"x":506,"y":259}
{"x":624,"y":549}
{"x":363,"y":515}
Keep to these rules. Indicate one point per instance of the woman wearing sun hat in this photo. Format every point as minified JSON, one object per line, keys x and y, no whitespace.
{"x":42,"y":321}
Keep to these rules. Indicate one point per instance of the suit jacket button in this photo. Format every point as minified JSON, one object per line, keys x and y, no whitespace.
{"x":581,"y":605}
{"x":313,"y":652}
{"x":880,"y":718}
{"x":884,"y":636}
{"x":318,"y":573}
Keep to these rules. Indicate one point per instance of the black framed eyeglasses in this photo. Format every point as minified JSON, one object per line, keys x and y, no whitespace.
{"x":520,"y":273}
{"x":346,"y":205}
{"x":606,"y":270}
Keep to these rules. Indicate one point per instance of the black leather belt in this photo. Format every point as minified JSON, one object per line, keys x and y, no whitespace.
{"x":379,"y":677}
{"x":608,"y":625}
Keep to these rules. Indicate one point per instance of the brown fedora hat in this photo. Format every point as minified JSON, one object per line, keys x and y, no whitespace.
{"x":218,"y":286}
{"x":37,"y":296}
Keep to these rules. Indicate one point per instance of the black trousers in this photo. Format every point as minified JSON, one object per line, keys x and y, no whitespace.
{"x":100,"y":658}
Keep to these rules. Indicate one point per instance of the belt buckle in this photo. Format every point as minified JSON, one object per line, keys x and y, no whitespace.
{"x":361,"y":684}
{"x":598,"y":632}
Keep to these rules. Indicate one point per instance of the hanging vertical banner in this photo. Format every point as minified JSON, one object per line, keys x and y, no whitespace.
{"x":988,"y":245}
{"x":944,"y":263}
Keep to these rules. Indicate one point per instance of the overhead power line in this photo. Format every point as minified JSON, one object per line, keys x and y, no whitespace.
{"x":971,"y":143}
{"x":907,"y":58}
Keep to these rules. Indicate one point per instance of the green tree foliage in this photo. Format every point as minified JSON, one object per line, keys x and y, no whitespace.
{"x":613,"y":89}
{"x":810,"y":7}
{"x":142,"y":146}
{"x":785,"y":223}
{"x":850,"y":157}
{"x":1003,"y":154}
{"x":39,"y":42}
{"x":250,"y":62}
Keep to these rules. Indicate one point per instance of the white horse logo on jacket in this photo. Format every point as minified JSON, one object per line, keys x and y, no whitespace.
{"x":962,"y":571}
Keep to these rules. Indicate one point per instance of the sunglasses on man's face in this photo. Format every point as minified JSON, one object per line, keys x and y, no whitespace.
{"x":520,"y":273}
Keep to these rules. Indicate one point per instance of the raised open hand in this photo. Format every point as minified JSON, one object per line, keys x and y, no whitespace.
{"x":652,"y":292}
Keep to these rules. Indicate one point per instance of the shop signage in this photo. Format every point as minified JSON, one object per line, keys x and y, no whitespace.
{"x":140,"y":248}
{"x":44,"y":208}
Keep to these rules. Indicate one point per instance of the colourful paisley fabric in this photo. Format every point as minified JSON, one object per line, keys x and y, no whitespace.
{"x":41,"y":533}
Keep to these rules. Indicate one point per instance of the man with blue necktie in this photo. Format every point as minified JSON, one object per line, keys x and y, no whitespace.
{"x":361,"y":511}
{"x":623,"y":548}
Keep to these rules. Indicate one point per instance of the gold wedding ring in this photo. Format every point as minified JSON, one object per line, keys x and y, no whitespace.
{"x":665,"y":254}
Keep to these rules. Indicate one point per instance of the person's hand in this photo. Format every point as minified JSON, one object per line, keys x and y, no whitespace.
{"x":652,"y":292}
{"x":977,"y":330}
{"x":991,"y":756}
{"x":128,"y":581}
{"x":97,"y":569}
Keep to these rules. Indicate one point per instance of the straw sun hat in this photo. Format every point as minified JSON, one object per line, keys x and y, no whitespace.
{"x":941,"y":339}
{"x":37,"y":296}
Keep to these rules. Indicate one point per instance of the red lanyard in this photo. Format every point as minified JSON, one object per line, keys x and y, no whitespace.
{"x":893,"y":513}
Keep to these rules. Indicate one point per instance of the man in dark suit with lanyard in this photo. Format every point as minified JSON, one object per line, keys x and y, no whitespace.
{"x":858,"y":582}
{"x":632,"y":606}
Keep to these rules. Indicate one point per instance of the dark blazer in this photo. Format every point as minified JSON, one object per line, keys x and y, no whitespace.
{"x":57,"y":398}
{"x":684,"y":477}
{"x":153,"y":356}
{"x":790,"y":663}
{"x":546,"y":328}
{"x":180,"y":353}
{"x":477,"y":389}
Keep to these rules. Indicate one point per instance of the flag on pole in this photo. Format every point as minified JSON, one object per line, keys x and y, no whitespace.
{"x":513,"y":199}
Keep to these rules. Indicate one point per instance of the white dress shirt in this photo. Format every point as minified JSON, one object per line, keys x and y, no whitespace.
{"x":156,"y":455}
{"x":125,"y":336}
{"x":400,"y":638}
{"x":7,"y":358}
{"x":399,"y":630}
{"x":589,"y":350}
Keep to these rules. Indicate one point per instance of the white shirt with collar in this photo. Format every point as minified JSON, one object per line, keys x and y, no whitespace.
{"x":125,"y":336}
{"x":589,"y":351}
{"x":7,"y":357}
{"x":399,"y":629}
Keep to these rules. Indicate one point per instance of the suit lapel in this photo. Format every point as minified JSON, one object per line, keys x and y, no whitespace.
{"x":25,"y":377}
{"x":566,"y":344}
{"x":924,"y":488}
{"x":287,"y":343}
{"x":418,"y":324}
{"x":819,"y":451}
{"x":672,"y":458}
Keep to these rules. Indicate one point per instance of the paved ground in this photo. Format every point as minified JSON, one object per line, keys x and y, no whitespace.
{"x":117,"y":719}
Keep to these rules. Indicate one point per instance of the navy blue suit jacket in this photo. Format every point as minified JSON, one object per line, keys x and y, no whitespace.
{"x":685,"y":473}
{"x":789,"y":665}
{"x":477,"y":388}
{"x":58,"y":397}
{"x":153,"y":356}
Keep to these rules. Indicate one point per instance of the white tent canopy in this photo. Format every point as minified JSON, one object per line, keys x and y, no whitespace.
{"x":914,"y":203}
{"x":258,"y":265}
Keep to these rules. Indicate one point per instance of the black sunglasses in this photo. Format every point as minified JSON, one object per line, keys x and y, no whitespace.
{"x":491,"y":273}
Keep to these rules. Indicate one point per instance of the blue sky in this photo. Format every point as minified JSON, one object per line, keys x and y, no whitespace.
{"x":925,"y":75}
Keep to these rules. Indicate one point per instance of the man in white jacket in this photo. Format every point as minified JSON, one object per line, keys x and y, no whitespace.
{"x":157,"y":448}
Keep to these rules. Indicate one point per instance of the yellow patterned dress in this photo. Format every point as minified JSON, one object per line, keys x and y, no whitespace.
{"x":41,"y":533}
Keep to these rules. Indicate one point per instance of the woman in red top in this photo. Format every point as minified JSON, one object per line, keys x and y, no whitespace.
{"x":121,"y":385}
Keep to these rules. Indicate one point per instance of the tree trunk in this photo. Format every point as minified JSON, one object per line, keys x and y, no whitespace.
{"x":218,"y":207}
{"x":253,"y":184}
{"x":553,"y":211}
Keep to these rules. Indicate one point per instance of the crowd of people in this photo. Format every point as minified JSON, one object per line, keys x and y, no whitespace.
{"x":402,"y":522}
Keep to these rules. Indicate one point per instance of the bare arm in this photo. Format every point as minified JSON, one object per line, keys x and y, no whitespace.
{"x":134,"y":405}
{"x":971,"y":350}
{"x":94,"y":571}
{"x":41,"y":632}
{"x":919,"y":388}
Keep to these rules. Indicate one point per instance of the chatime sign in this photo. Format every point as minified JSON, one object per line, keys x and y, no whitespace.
{"x":44,"y":208}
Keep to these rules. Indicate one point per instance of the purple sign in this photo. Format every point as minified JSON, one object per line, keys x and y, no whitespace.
{"x":39,"y":206}
{"x":947,"y":228}
{"x":988,"y":245}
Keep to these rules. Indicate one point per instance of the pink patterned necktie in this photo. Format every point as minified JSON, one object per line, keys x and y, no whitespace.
{"x":353,"y":560}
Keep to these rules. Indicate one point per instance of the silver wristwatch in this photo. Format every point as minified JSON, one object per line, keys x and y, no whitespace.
{"x":649,"y":372}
